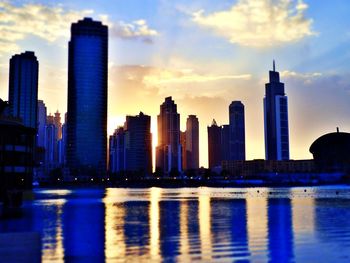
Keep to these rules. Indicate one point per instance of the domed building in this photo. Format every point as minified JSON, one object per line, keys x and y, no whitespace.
{"x":331,"y":152}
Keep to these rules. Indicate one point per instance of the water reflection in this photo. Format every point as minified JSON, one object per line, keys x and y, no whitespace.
{"x":83,"y":228}
{"x":257,"y":226}
{"x":155,"y":196}
{"x":204,"y":224}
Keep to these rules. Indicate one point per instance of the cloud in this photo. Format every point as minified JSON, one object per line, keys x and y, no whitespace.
{"x":45,"y":22}
{"x":51,"y":22}
{"x":138,"y":29}
{"x":305,"y":77}
{"x":259,"y":23}
{"x":164,"y":76}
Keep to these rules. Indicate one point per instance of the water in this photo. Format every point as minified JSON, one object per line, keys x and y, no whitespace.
{"x":190,"y":224}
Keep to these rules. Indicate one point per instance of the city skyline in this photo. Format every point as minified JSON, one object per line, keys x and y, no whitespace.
{"x":147,"y":59}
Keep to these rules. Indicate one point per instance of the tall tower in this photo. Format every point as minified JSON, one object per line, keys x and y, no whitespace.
{"x":138,"y":143}
{"x":276,"y":119}
{"x":168,"y":151}
{"x":192,"y":142}
{"x":237,"y":131}
{"x":42,"y":114}
{"x":214,"y":145}
{"x":23,"y":88}
{"x":87,"y":96}
{"x":58,"y":124}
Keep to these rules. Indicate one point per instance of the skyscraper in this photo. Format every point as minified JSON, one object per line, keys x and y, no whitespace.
{"x":58,"y":124}
{"x":23,"y":88}
{"x":237,"y":131}
{"x":183,"y":149}
{"x":276,"y":119}
{"x":41,"y":123}
{"x":51,"y":156}
{"x":225,"y":142}
{"x":87,"y":96}
{"x":192,"y":142}
{"x":168,"y":151}
{"x":138,"y":143}
{"x":117,"y":151}
{"x":214,"y":145}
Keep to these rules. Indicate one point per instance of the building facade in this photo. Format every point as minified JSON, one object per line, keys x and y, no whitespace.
{"x":276,"y":119}
{"x":214,"y":145}
{"x":87,"y":97}
{"x":138,"y":144}
{"x":23,"y":88}
{"x":237,"y":131}
{"x":168,"y":151}
{"x":225,"y":142}
{"x":42,"y":113}
{"x":117,"y":151}
{"x":192,"y":142}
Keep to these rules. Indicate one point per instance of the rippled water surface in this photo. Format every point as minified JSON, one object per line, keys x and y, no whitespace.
{"x":190,"y":224}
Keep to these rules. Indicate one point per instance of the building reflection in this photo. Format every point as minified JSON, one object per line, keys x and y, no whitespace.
{"x":257,"y":226}
{"x":332,"y":225}
{"x":83,"y":228}
{"x":229,"y":224}
{"x":136,"y":227}
{"x":155,"y":195}
{"x":52,"y":237}
{"x":204,"y":219}
{"x":184,"y":235}
{"x":280,"y":230}
{"x":114,"y":225}
{"x":169,"y":228}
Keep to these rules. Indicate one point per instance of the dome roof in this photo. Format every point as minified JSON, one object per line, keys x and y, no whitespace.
{"x":329,"y":141}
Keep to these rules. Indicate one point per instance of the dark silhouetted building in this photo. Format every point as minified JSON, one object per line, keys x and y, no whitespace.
{"x":117,"y":151}
{"x":138,"y":143}
{"x":17,"y":144}
{"x":130,"y":147}
{"x":331,"y":152}
{"x":42,"y":113}
{"x":214,"y":145}
{"x":192,"y":142}
{"x":51,"y":147}
{"x":183,"y":147}
{"x":276,"y":119}
{"x":225,"y":142}
{"x":87,"y":97}
{"x":237,"y":131}
{"x":168,"y":151}
{"x":23,"y":88}
{"x":62,"y":143}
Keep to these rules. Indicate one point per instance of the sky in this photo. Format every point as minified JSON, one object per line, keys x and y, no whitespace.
{"x":204,"y":54}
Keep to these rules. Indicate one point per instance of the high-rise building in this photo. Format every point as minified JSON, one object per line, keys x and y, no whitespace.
{"x":237,"y":131}
{"x":225,"y":142}
{"x":214,"y":145}
{"x":117,"y":151}
{"x":58,"y":124}
{"x":276,"y":119}
{"x":192,"y":142}
{"x":62,"y":143}
{"x":183,"y":148}
{"x":87,"y":97}
{"x":42,"y":114}
{"x":168,"y":151}
{"x":138,"y":143}
{"x":23,"y":88}
{"x":50,"y":145}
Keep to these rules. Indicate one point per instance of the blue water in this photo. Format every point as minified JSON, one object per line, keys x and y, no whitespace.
{"x":190,"y":224}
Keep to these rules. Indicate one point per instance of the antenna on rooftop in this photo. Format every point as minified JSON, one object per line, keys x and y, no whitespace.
{"x":274,"y":66}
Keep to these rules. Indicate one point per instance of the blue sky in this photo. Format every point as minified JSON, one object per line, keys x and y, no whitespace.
{"x":203,"y":53}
